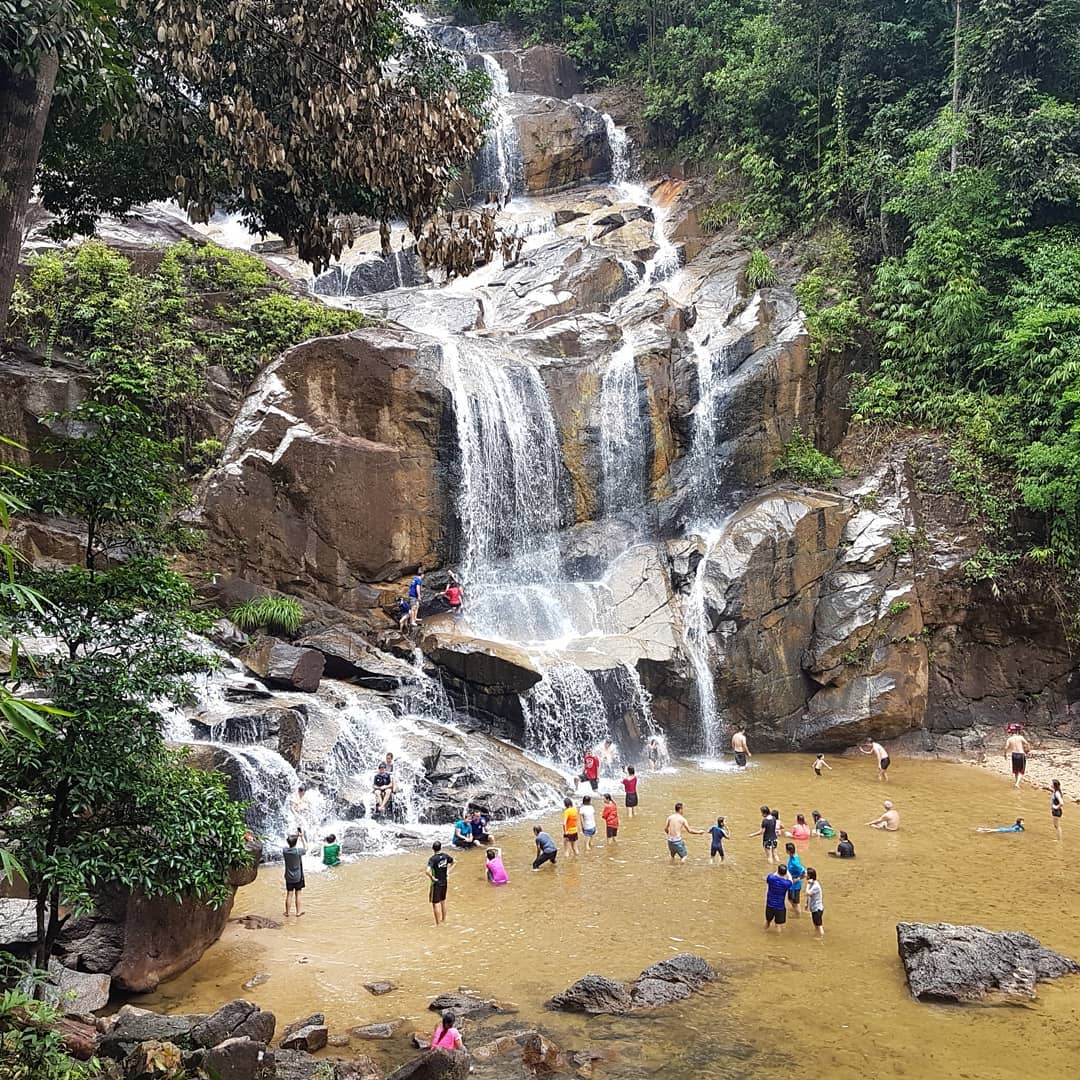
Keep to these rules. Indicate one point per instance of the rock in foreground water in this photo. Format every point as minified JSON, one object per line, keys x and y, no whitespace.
{"x":969,"y":963}
{"x":664,"y":982}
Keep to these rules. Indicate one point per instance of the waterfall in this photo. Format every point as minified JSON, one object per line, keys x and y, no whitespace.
{"x":621,"y":154}
{"x":499,"y":165}
{"x":699,"y":651}
{"x":266,"y":781}
{"x":564,"y":714}
{"x":623,"y":438}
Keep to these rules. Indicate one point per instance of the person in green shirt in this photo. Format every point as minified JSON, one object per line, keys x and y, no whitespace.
{"x":331,"y":852}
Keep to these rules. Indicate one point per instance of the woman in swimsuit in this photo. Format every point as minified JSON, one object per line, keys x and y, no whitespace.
{"x":1057,"y":806}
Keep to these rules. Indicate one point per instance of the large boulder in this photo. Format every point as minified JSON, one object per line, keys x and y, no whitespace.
{"x":539,"y":69}
{"x":237,"y":1019}
{"x":350,"y":656}
{"x":435,"y":1065}
{"x":76,"y":991}
{"x":562,"y":143}
{"x":970,"y":963}
{"x":240,"y":1058}
{"x":662,"y":983}
{"x":284,"y":665}
{"x":593,"y":994}
{"x":131,"y":1026}
{"x":332,"y":474}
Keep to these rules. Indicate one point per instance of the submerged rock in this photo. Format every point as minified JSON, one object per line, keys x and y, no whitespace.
{"x":669,"y":980}
{"x":463,"y":1005}
{"x":969,"y":963}
{"x":594,"y":994}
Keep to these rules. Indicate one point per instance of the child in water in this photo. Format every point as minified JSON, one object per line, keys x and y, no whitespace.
{"x":496,"y":872}
{"x":819,"y":764}
{"x":588,"y":821}
{"x":331,"y":852}
{"x":718,"y":834}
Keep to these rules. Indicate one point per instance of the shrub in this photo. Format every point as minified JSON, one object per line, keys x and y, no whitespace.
{"x":804,"y":463}
{"x":272,"y":612}
{"x":759,"y":271}
{"x":897,"y":607}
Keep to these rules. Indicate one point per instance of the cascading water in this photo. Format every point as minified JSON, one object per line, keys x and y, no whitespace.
{"x":499,"y":165}
{"x":564,"y":714}
{"x":621,"y":152}
{"x":623,"y":437}
{"x":697,"y":629}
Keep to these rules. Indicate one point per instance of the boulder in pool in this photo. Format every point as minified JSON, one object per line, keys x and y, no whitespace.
{"x":944,"y":962}
{"x":435,"y":1065}
{"x":670,"y":980}
{"x":463,"y":1005}
{"x":593,"y":994}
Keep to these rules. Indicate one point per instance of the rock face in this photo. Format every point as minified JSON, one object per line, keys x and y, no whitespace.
{"x":331,"y":474}
{"x":284,"y":665}
{"x":662,"y":983}
{"x":350,"y":657}
{"x":969,"y":963}
{"x":562,"y":143}
{"x":540,"y":69}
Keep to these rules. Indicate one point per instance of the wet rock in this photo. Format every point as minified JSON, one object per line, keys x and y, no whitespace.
{"x":349,"y":656}
{"x":309,"y":1034}
{"x":969,"y":963}
{"x":379,"y":988}
{"x":539,"y":69}
{"x":670,"y":980}
{"x":500,"y":1047}
{"x":463,"y":1005}
{"x":435,"y":1065}
{"x":132,"y":1026}
{"x":234,"y":1020}
{"x":420,"y":1040}
{"x":257,"y":922}
{"x":375,"y":1031}
{"x":562,"y":143}
{"x":593,"y":994}
{"x":540,"y":1056}
{"x":265,"y":723}
{"x":284,"y":665}
{"x":240,"y":1058}
{"x":424,"y":309}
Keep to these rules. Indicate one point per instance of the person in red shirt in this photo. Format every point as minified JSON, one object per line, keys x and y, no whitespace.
{"x":452,"y":595}
{"x":592,"y":769}
{"x":610,"y":814}
{"x":629,"y":783}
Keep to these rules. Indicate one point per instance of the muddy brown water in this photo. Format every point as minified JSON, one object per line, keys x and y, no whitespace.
{"x":835,"y":1008}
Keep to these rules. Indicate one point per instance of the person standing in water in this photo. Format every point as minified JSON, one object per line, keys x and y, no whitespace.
{"x":629,"y":783}
{"x":546,"y":848}
{"x":740,"y":749}
{"x":767,"y":832}
{"x":446,"y":1036}
{"x":718,"y":834}
{"x":1017,"y":749}
{"x":295,"y":848}
{"x":438,"y":867}
{"x":415,"y":589}
{"x":570,"y":823}
{"x":607,"y":757}
{"x":882,"y":756}
{"x":588,"y":821}
{"x":796,"y":873}
{"x":778,"y":888}
{"x":814,"y":904}
{"x":591,"y":769}
{"x":1057,"y":806}
{"x":610,"y":813}
{"x":889,"y":820}
{"x":819,"y":764}
{"x":674,"y":827}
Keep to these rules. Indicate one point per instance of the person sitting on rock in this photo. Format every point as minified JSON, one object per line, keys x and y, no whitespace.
{"x":331,"y":851}
{"x":446,"y":1036}
{"x":463,"y":834}
{"x":383,"y":789}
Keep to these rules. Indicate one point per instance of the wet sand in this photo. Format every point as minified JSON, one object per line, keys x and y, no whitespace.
{"x":833,"y":1008}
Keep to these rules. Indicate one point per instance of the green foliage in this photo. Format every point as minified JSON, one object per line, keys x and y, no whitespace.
{"x":272,"y":612}
{"x":148,"y":338}
{"x":760,"y":273}
{"x":31,"y":1047}
{"x":802,"y":462}
{"x":830,"y":294}
{"x":897,"y":607}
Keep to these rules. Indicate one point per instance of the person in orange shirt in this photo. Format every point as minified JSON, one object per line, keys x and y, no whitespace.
{"x":569,"y":828}
{"x":610,"y":814}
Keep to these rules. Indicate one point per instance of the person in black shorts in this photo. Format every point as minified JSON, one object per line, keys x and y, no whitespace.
{"x":438,"y":867}
{"x":776,"y":898}
{"x":767,"y":832}
{"x":1057,"y":806}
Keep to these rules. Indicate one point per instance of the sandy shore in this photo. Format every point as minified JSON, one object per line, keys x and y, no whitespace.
{"x":1051,"y":760}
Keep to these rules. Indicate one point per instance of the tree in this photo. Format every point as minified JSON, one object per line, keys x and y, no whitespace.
{"x":101,"y":800}
{"x":291,"y":116}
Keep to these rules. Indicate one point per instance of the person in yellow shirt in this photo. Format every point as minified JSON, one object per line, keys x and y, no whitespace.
{"x":569,"y":828}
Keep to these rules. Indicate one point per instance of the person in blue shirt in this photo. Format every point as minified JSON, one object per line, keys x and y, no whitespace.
{"x":1016,"y":826}
{"x":463,"y":836}
{"x":546,"y":848}
{"x":718,"y":835}
{"x":414,"y":597}
{"x":778,"y":888}
{"x":796,"y":872}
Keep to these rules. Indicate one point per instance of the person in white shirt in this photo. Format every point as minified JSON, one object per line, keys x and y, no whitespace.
{"x":814,"y":902}
{"x":588,"y":821}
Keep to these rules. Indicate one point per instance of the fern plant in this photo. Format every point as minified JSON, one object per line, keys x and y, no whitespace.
{"x":281,"y":613}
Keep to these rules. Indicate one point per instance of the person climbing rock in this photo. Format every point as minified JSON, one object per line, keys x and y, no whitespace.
{"x":415,"y":589}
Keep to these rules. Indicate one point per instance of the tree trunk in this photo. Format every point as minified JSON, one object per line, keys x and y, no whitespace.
{"x":24,"y":110}
{"x":955,"y":80}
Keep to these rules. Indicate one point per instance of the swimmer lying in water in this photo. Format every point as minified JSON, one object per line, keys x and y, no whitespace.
{"x":1016,"y":826}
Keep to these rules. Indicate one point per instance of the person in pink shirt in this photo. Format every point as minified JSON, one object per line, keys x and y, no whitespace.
{"x":629,"y":783}
{"x":800,"y":830}
{"x":496,"y":872}
{"x":446,"y":1036}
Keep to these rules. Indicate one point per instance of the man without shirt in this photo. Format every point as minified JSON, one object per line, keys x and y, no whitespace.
{"x":882,"y":756}
{"x":740,"y":749}
{"x":674,"y":827}
{"x":889,"y":820}
{"x":1017,"y":748}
